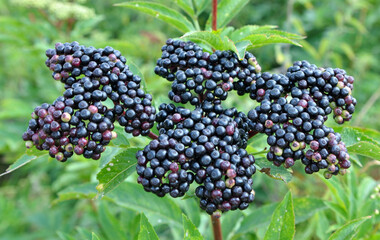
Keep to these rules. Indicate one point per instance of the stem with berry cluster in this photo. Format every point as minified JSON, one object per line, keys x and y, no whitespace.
{"x":215,"y":218}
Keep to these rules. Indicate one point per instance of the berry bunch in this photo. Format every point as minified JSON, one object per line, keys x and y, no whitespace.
{"x":79,"y":121}
{"x":207,"y":144}
{"x":199,"y":76}
{"x":296,"y":122}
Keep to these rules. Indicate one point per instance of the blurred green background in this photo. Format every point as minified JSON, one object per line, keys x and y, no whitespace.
{"x":344,"y":34}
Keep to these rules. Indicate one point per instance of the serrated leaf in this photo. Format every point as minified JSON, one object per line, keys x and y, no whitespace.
{"x":239,"y":48}
{"x":30,"y":155}
{"x":247,"y":30}
{"x":225,"y":32}
{"x":81,"y":191}
{"x":348,"y":230}
{"x":282,"y":224}
{"x":146,"y":230}
{"x":268,"y":168}
{"x":161,"y":12}
{"x":276,"y":32}
{"x":365,"y":149}
{"x":361,"y":141}
{"x":163,"y":208}
{"x":116,"y":171}
{"x":351,"y":136}
{"x":260,"y":39}
{"x":210,"y":38}
{"x":94,"y":236}
{"x":191,"y":232}
{"x":304,"y":209}
{"x":227,"y":10}
{"x":108,"y":155}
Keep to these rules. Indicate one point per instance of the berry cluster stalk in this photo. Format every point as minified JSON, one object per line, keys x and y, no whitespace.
{"x":214,"y":14}
{"x":215,"y":219}
{"x":216,"y":227}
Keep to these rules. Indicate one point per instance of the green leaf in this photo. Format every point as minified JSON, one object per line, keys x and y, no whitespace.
{"x":86,"y":190}
{"x":247,"y":30}
{"x":65,"y":236}
{"x":239,"y":48}
{"x":361,"y":141}
{"x":108,"y":155}
{"x":200,"y":5}
{"x":94,"y":237}
{"x":85,"y":27}
{"x":230,"y":222}
{"x":30,"y":155}
{"x":365,"y":149}
{"x":351,"y":136}
{"x":227,"y":10}
{"x":190,"y":207}
{"x":116,"y":171}
{"x":278,"y":173}
{"x":191,"y":232}
{"x":276,"y":32}
{"x":304,"y":209}
{"x":162,"y":208}
{"x":261,"y":39}
{"x":282,"y":225}
{"x":146,"y":230}
{"x":259,"y":217}
{"x":121,"y":140}
{"x":348,"y":230}
{"x":109,"y":224}
{"x":338,"y":209}
{"x":162,"y":12}
{"x":210,"y":38}
{"x":214,"y":40}
{"x":186,"y":5}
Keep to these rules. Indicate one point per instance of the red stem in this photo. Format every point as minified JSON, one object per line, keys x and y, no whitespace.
{"x":152,"y":135}
{"x":214,"y":14}
{"x":216,"y":227}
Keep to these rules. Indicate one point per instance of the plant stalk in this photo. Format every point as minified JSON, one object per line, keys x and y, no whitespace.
{"x":214,"y":14}
{"x":216,"y":227}
{"x":215,"y":218}
{"x":152,"y":135}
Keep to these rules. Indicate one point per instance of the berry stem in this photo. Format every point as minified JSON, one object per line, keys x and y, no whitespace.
{"x":216,"y":227}
{"x":214,"y":14}
{"x":152,"y":135}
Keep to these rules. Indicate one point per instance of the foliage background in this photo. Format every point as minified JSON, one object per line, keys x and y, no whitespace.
{"x":342,"y":34}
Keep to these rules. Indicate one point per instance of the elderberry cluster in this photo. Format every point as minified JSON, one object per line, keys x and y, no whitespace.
{"x":293,"y":110}
{"x":207,"y":144}
{"x":199,"y":75}
{"x":79,"y":121}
